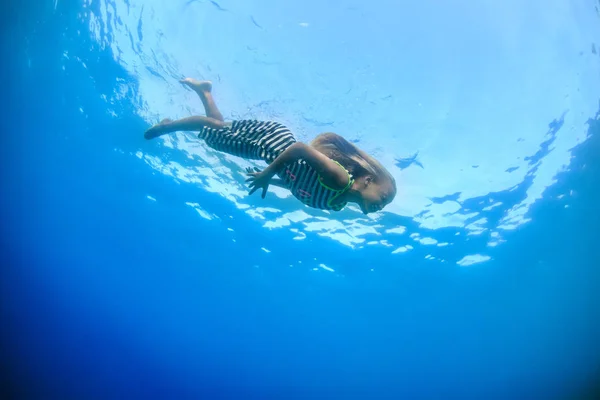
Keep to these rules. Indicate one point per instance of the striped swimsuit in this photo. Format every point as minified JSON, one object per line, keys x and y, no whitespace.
{"x":258,"y":140}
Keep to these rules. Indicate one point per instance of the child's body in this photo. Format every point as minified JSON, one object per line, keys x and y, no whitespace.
{"x":327,"y":174}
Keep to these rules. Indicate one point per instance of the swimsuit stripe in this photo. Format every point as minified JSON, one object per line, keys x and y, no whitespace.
{"x":259,"y":140}
{"x":254,"y":140}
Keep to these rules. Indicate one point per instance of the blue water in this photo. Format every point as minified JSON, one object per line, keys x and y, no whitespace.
{"x":127,"y":272}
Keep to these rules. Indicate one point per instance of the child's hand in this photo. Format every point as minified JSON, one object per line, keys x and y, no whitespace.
{"x":258,"y":179}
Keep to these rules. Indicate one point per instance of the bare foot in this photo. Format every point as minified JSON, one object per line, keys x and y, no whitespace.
{"x":197,"y":86}
{"x":158,"y":129}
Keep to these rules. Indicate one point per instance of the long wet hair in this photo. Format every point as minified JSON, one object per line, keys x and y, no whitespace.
{"x":356,"y":161}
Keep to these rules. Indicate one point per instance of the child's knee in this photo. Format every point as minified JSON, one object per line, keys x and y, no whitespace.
{"x":217,"y":123}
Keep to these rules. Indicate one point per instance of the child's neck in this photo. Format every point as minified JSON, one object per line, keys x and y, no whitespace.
{"x":351,"y":196}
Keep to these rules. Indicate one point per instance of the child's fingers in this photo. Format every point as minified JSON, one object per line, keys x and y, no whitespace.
{"x":264,"y":193}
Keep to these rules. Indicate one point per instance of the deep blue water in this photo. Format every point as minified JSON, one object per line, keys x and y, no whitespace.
{"x":105,"y":294}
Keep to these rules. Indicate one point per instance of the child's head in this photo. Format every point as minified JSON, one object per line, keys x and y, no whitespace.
{"x":374,"y":185}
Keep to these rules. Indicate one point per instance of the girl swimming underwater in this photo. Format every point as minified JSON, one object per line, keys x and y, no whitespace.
{"x":327,"y":174}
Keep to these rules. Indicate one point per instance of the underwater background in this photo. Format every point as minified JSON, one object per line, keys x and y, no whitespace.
{"x":141,"y":269}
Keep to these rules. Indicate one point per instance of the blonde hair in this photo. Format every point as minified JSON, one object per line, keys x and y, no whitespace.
{"x":356,"y":161}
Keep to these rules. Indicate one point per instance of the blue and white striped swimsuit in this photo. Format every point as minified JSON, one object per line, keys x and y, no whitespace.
{"x":258,"y":140}
{"x":306,"y":185}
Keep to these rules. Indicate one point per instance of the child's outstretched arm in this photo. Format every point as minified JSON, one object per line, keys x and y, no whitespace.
{"x":331,"y":173}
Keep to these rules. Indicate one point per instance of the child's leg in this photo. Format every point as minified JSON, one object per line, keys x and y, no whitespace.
{"x":213,"y":119}
{"x":204,"y":90}
{"x":196,"y":123}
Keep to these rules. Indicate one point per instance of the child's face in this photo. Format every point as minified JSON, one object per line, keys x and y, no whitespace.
{"x":375,"y":196}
